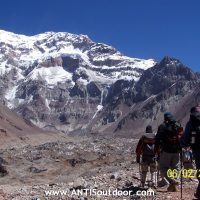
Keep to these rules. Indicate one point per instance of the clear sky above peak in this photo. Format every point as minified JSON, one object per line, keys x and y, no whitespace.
{"x":137,"y":28}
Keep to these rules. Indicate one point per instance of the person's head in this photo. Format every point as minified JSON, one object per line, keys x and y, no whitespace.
{"x":195,"y":109}
{"x":194,"y":115}
{"x":168,"y":117}
{"x":149,"y":129}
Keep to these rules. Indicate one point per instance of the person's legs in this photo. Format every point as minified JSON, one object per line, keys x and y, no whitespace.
{"x":153,"y":171}
{"x":144,"y":170}
{"x":188,"y":166}
{"x":164,"y":166}
{"x":175,"y":165}
{"x":196,"y":155}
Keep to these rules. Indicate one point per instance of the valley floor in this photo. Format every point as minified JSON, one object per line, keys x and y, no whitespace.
{"x":55,"y":170}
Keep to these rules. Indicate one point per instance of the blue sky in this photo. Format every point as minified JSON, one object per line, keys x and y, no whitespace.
{"x":137,"y":28}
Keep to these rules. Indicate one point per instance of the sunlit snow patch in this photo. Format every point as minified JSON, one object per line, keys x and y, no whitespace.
{"x":51,"y":75}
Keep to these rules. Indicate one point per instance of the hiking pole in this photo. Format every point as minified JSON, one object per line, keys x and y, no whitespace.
{"x":158,"y":174}
{"x":181,"y":158}
{"x":157,"y":170}
{"x":140,"y":172}
{"x":156,"y":180}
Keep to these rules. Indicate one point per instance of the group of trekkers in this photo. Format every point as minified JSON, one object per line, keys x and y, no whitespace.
{"x":171,"y":148}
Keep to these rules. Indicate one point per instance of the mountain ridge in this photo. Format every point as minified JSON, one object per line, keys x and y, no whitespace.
{"x":66,"y":82}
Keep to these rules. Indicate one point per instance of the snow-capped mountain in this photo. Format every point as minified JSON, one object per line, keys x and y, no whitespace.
{"x":61,"y":80}
{"x":68,"y":52}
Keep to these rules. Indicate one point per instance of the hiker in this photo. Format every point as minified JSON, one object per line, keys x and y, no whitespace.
{"x":187,"y":158}
{"x":3,"y":171}
{"x":191,"y":137}
{"x":145,"y":150}
{"x":187,"y":162}
{"x":167,"y":147}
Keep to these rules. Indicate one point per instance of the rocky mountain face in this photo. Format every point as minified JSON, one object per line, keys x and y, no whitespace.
{"x":168,"y":86}
{"x":67,"y":82}
{"x":16,"y":132}
{"x":59,"y":81}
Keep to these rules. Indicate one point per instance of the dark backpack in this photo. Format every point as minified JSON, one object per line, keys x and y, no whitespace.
{"x":174,"y":132}
{"x":195,"y":135}
{"x":148,"y":152}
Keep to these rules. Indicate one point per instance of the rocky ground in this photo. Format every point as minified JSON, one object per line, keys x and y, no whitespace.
{"x":35,"y":171}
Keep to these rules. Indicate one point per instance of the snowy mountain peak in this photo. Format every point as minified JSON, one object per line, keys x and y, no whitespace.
{"x":51,"y":69}
{"x":92,"y":56}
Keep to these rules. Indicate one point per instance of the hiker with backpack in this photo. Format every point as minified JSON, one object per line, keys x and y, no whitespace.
{"x":187,"y":158}
{"x":145,"y":155}
{"x":167,"y":147}
{"x":187,"y":162}
{"x":191,"y":137}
